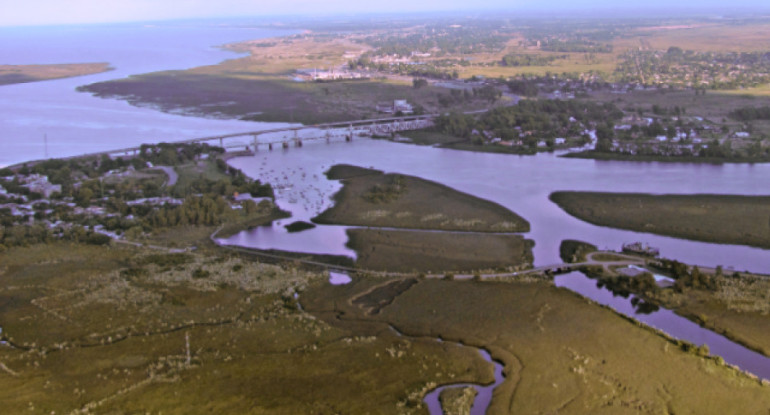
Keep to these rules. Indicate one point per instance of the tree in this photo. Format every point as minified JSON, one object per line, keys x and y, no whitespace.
{"x":418,"y":83}
{"x":84,"y":196}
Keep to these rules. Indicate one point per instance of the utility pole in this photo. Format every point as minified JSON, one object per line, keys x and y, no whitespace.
{"x":187,"y":344}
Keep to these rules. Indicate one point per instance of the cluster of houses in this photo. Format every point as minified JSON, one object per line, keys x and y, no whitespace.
{"x":685,"y":141}
{"x":396,"y":59}
{"x":332,"y":74}
{"x":490,"y":138}
{"x":37,"y":183}
{"x":398,"y":106}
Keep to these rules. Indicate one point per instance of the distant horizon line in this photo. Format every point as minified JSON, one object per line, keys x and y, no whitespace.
{"x":631,"y":13}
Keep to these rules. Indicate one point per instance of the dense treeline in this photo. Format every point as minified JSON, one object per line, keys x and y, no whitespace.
{"x":456,"y":96}
{"x":440,"y":40}
{"x":575,"y":45}
{"x":751,"y":113}
{"x":169,"y":154}
{"x":25,"y":235}
{"x":686,"y":277}
{"x":205,"y":210}
{"x":532,"y":120}
{"x":518,"y":59}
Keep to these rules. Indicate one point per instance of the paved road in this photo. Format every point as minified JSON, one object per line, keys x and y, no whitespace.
{"x":171,"y":173}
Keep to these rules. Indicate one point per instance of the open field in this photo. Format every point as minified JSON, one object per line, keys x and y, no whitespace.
{"x":727,"y":219}
{"x":398,"y":201}
{"x":561,"y":353}
{"x":113,"y":330}
{"x":425,"y":251}
{"x":15,"y":74}
{"x":713,"y":37}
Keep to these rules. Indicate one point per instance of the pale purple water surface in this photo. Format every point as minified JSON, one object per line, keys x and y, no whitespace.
{"x":520,"y":183}
{"x":77,"y":123}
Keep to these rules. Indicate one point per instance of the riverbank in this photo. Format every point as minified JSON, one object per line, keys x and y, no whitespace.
{"x":15,"y":74}
{"x":733,"y":305}
{"x":599,"y":155}
{"x":441,"y":229}
{"x":442,"y":140}
{"x":724,"y":219}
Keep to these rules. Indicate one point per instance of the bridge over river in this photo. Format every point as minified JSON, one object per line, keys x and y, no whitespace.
{"x":286,"y":137}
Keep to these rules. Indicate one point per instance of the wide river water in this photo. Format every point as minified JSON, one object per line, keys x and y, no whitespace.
{"x":520,"y":183}
{"x":77,"y":123}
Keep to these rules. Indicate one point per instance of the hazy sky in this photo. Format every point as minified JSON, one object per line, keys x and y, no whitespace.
{"x":36,"y":12}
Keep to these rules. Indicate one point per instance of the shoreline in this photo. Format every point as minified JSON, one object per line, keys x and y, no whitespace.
{"x":18,"y":74}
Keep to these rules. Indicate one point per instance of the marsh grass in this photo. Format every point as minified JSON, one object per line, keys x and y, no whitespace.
{"x":560,"y":352}
{"x":93,"y":338}
{"x":727,"y":219}
{"x":419,"y":204}
{"x":416,"y":251}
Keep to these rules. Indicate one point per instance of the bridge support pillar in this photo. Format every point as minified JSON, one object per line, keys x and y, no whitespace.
{"x":285,"y":144}
{"x":350,"y":132}
{"x":299,"y":143}
{"x":270,"y":146}
{"x":255,"y":143}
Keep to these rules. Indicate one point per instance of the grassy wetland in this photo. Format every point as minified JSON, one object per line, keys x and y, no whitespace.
{"x":125,"y":330}
{"x":372,"y":198}
{"x":423,"y":226}
{"x":726,"y":219}
{"x":431,"y":252}
{"x":164,"y":320}
{"x":539,"y":333}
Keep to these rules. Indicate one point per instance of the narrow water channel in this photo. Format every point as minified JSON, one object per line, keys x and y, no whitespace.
{"x":483,"y":398}
{"x":671,"y":323}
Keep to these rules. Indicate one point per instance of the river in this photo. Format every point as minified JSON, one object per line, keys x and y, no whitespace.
{"x":77,"y":123}
{"x":520,"y":183}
